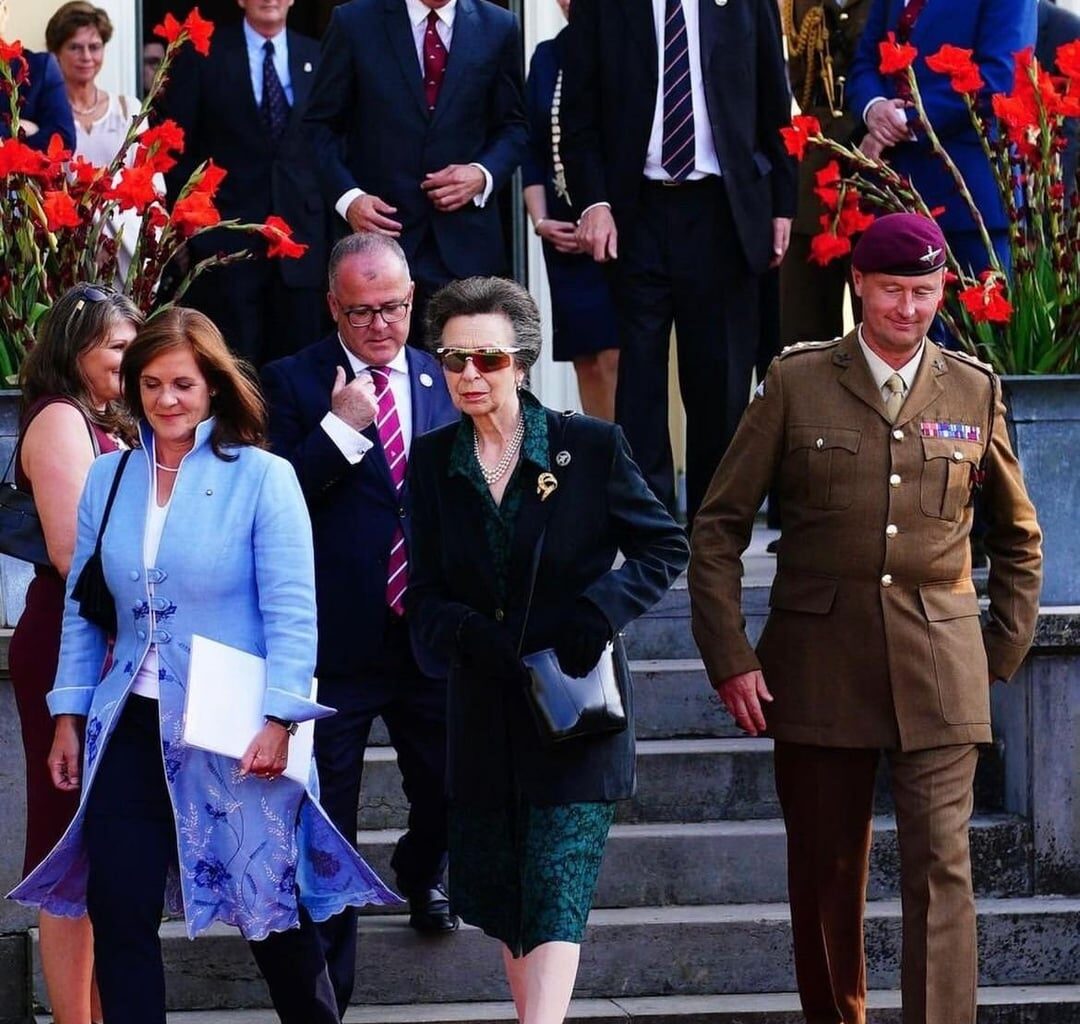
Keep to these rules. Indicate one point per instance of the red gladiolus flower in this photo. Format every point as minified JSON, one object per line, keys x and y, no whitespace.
{"x":157,"y":216}
{"x":986,"y":303}
{"x":169,"y":29}
{"x":210,"y":179}
{"x":895,"y":57}
{"x":199,"y":30}
{"x":158,"y":144}
{"x":18,"y":158}
{"x":135,"y":189}
{"x":828,"y":185}
{"x":10,"y":51}
{"x":826,"y":247}
{"x":60,"y":211}
{"x":281,"y":241}
{"x":956,"y":62}
{"x":852,"y":220}
{"x":196,"y":210}
{"x":1068,"y":59}
{"x":797,"y":136}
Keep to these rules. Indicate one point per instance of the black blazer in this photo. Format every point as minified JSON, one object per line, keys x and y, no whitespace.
{"x":602,"y":505}
{"x":609,"y":97}
{"x":354,"y":509}
{"x":368,"y":97}
{"x":1057,"y":27}
{"x":213,"y":101}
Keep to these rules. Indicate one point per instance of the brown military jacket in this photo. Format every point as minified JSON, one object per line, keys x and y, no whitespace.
{"x":873,"y":636}
{"x":842,"y":24}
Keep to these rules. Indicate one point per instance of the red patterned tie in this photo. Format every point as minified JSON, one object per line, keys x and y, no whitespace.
{"x":435,"y":58}
{"x":393,"y":444}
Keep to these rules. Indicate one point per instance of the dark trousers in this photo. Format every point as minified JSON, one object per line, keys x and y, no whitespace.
{"x":827,"y":796}
{"x":680,"y":262}
{"x":130,"y":843}
{"x":429,"y":274}
{"x":413,"y":707}
{"x":258,"y":315}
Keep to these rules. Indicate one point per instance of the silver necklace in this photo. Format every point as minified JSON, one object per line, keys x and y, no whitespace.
{"x":90,"y":109}
{"x":167,"y":469}
{"x":498,"y":471}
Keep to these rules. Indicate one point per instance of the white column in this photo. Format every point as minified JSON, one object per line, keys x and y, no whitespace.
{"x":554,"y":383}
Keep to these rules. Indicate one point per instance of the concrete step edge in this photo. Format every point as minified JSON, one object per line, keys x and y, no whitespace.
{"x":650,"y":748}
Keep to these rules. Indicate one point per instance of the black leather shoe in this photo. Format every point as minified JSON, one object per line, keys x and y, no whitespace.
{"x":429,"y":912}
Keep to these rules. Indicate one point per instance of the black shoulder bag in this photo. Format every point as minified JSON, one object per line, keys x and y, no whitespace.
{"x":21,"y":535}
{"x":96,"y":603}
{"x":568,"y":707}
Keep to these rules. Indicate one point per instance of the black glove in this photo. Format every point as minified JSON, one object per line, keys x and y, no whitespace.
{"x":488,"y":648}
{"x":581,"y":638}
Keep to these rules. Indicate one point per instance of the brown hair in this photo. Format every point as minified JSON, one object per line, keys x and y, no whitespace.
{"x":237,"y":403}
{"x":72,"y":16}
{"x":78,"y":321}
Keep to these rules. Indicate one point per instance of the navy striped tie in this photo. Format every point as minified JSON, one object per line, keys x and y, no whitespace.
{"x":677,"y":155}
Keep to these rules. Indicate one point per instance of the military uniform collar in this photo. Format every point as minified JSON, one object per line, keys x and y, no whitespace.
{"x":881,"y":371}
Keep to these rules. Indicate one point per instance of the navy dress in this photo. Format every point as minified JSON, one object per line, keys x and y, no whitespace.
{"x":583,"y":312}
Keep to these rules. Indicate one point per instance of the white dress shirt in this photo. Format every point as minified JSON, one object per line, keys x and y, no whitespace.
{"x":350,"y":442}
{"x":707,"y":161}
{"x":256,"y":56}
{"x":444,"y":25}
{"x":881,"y":371}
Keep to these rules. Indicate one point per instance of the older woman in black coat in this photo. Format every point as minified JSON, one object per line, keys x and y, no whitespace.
{"x":528,"y":821}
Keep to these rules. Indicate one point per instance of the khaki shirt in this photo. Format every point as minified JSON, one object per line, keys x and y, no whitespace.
{"x":874,"y":636}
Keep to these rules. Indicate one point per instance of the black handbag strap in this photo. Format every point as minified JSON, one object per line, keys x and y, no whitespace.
{"x":112,"y":496}
{"x":538,"y":550}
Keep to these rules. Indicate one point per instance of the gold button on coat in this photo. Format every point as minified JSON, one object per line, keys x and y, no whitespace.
{"x":894,"y":480}
{"x":891,"y":530}
{"x":886,"y":580}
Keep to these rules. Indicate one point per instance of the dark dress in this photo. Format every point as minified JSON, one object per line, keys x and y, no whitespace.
{"x":523,"y":873}
{"x":583,"y":313}
{"x":32,"y":657}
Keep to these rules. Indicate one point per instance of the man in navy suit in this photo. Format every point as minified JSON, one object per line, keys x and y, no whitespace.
{"x":344,"y":411}
{"x":417,"y":119}
{"x":1057,"y":27}
{"x":241,"y":107}
{"x":993,"y":30}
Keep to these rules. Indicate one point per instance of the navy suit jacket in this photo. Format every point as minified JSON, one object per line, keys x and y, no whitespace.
{"x":354,"y":509}
{"x":368,"y":93}
{"x":1057,"y":27}
{"x":609,"y":96}
{"x":43,"y":100}
{"x":213,"y":101}
{"x":994,"y":30}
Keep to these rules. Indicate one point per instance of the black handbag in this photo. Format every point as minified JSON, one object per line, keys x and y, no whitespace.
{"x":21,"y":535}
{"x":96,"y":603}
{"x":571,"y":707}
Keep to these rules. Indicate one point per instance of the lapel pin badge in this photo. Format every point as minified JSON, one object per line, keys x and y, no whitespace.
{"x":545,"y":485}
{"x":721,"y":3}
{"x":562,"y":459}
{"x":307,"y":66}
{"x":425,"y":379}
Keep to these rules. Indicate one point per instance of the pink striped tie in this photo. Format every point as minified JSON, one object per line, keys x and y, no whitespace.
{"x":393,"y":444}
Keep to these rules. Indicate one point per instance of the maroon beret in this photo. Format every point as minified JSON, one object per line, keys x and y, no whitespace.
{"x":906,"y":244}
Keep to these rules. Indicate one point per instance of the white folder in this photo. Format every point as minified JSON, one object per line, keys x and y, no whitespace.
{"x":223,"y":711}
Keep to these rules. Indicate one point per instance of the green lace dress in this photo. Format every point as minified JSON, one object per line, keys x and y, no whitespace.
{"x":524,"y":874}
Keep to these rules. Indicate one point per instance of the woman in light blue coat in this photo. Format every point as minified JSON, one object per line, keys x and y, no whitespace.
{"x":209,"y":536}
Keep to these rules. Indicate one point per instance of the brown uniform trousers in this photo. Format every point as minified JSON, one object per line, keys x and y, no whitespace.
{"x":812,"y":297}
{"x":873,"y":642}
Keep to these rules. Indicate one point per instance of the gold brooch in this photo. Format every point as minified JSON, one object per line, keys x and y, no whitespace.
{"x":545,"y":485}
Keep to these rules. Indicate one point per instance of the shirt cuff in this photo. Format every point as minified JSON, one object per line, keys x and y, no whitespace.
{"x":593,"y":207}
{"x":351,"y":443}
{"x":342,"y":205}
{"x":866,"y":109}
{"x":489,"y":184}
{"x":70,"y":700}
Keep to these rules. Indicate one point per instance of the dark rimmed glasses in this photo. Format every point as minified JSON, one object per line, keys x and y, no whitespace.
{"x":364,"y":316}
{"x":486,"y":360}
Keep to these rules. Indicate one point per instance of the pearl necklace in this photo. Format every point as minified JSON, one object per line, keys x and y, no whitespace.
{"x":87,"y":111}
{"x":494,"y":475}
{"x":166,"y":469}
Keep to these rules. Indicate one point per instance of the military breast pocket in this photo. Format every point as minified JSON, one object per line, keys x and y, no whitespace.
{"x":948,"y":473}
{"x":823,"y":467}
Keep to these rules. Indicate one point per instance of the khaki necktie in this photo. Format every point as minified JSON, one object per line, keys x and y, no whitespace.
{"x":896,"y":388}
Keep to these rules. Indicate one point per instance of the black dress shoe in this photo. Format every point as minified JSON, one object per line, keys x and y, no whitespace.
{"x":429,"y":912}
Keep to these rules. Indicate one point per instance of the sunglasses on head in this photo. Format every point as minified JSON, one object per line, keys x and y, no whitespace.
{"x":92,"y":293}
{"x":486,"y":360}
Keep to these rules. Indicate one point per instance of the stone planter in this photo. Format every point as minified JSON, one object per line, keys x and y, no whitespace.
{"x":1044,"y":424}
{"x":14,"y":575}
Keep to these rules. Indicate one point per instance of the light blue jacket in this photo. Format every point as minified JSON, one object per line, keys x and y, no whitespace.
{"x":235,"y":564}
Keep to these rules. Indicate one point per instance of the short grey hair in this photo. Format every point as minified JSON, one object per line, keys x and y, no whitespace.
{"x":364,"y":243}
{"x":475,"y":296}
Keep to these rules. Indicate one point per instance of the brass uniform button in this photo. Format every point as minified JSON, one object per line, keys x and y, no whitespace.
{"x":894,"y":480}
{"x":886,"y":580}
{"x":898,"y":435}
{"x":891,"y":530}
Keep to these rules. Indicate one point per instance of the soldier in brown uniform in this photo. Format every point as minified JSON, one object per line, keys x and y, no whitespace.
{"x":874,"y":642}
{"x":821,"y":39}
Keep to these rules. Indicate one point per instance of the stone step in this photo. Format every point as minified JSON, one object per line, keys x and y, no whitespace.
{"x":678,"y":780}
{"x":1006,"y":1004}
{"x":664,"y":631}
{"x":746,"y":861}
{"x":686,"y":951}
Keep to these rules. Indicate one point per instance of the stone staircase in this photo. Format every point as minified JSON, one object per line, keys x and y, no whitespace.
{"x":690,"y":924}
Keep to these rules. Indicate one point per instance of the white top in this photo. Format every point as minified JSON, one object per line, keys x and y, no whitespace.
{"x":146,"y":679}
{"x":881,"y":371}
{"x":101,"y":142}
{"x":418,"y":15}
{"x":351,"y":443}
{"x":707,"y":161}
{"x":256,"y":56}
